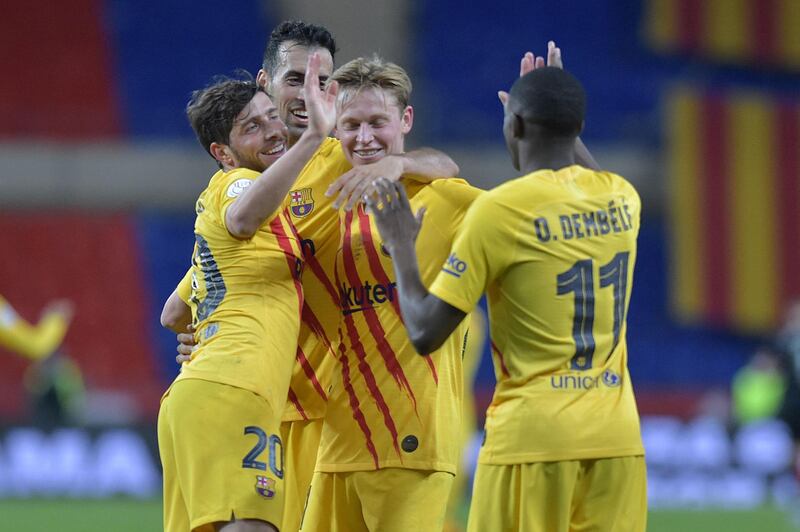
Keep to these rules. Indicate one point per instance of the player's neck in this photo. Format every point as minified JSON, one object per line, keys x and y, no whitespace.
{"x":546,"y":158}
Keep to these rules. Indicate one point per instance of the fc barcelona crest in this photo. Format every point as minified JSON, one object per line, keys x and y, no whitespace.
{"x":265,"y":487}
{"x":301,"y":203}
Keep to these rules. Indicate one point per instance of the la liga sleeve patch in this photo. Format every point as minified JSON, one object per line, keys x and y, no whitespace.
{"x":237,"y":187}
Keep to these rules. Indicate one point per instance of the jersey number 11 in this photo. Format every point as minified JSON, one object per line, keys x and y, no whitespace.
{"x":580,"y":280}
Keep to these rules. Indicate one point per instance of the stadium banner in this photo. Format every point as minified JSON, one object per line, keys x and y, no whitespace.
{"x":734,"y":174}
{"x":76,"y":462}
{"x":762,"y":32}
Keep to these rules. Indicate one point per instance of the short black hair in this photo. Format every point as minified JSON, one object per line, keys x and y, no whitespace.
{"x":302,"y":33}
{"x":552,"y":98}
{"x":213,"y":110}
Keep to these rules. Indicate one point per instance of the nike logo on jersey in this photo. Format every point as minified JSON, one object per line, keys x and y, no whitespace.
{"x":454,"y":266}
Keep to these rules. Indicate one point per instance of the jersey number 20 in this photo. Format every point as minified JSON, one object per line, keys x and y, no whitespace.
{"x":580,"y":280}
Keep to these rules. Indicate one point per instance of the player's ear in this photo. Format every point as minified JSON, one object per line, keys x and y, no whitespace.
{"x":222,"y":153}
{"x":407,"y":119}
{"x":583,"y":123}
{"x":262,"y":79}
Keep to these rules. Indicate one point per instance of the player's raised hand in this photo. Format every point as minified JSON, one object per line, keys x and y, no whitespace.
{"x":186,"y":345}
{"x":388,"y":203}
{"x":554,"y":55}
{"x":530,"y":62}
{"x":320,"y":103}
{"x":354,"y":184}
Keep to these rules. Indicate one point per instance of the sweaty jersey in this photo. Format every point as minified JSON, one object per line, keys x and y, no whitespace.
{"x":392,"y":407}
{"x":246,"y":296}
{"x":317,"y":227}
{"x":555,"y":253}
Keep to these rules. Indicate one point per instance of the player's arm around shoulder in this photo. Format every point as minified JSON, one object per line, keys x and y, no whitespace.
{"x":423,"y":165}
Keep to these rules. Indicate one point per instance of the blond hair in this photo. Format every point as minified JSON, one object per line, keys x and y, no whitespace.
{"x":372,"y":73}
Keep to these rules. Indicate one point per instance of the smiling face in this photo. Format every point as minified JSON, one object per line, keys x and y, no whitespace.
{"x":258,"y":137}
{"x":371,"y":124}
{"x":285,"y":84}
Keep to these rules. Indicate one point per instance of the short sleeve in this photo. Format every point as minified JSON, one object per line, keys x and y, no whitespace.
{"x":479,"y":254}
{"x":184,"y":287}
{"x":235,"y":183}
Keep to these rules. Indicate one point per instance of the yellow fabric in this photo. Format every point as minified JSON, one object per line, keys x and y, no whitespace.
{"x":32,"y":341}
{"x":203,"y":444}
{"x":245,"y":298}
{"x":184,"y":287}
{"x":603,"y":495}
{"x":753,"y":194}
{"x":476,"y":338}
{"x":726,"y":27}
{"x":686,"y":163}
{"x":553,"y":400}
{"x":300,"y":443}
{"x":389,"y":500}
{"x":318,"y":226}
{"x":387,"y":409}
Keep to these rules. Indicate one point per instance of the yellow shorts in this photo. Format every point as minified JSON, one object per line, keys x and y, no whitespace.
{"x":301,"y":443}
{"x":388,"y":500}
{"x":221,"y":454}
{"x":608,"y":494}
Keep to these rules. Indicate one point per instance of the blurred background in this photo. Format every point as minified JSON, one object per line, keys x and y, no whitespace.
{"x":697,"y":102}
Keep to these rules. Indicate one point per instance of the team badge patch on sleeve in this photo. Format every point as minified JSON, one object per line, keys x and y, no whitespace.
{"x":265,"y":486}
{"x":301,"y":202}
{"x":237,"y":187}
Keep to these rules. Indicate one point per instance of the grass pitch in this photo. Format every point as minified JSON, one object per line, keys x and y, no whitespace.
{"x":128,"y":515}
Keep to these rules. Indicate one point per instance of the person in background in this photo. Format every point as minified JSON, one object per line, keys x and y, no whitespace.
{"x":788,"y":344}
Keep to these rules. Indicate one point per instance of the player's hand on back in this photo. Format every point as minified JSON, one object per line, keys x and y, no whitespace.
{"x":354,"y":184}
{"x":388,"y":203}
{"x":186,"y":345}
{"x":320,"y":103}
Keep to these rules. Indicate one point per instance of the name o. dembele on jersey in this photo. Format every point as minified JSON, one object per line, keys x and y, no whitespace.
{"x":616,"y":218}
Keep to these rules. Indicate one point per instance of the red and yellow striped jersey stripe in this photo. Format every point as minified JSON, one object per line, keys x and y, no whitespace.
{"x":391,"y":407}
{"x":317,"y":228}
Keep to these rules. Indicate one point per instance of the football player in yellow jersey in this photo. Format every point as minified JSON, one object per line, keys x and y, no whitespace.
{"x":391,"y":438}
{"x":219,"y":422}
{"x":555,"y":251}
{"x":315,"y":191}
{"x":35,"y":341}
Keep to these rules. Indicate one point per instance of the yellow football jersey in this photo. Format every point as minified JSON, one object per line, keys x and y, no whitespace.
{"x":555,"y":253}
{"x":317,"y":227}
{"x":246,"y":296}
{"x":184,"y":287}
{"x":392,"y":407}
